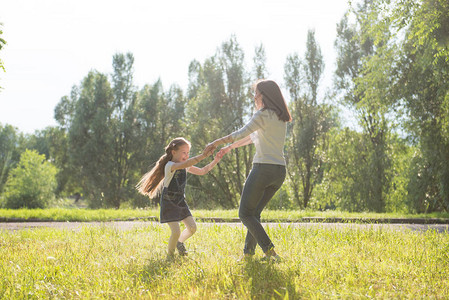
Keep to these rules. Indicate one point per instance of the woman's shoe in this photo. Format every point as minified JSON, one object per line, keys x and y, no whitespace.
{"x":271,"y":255}
{"x":273,"y":258}
{"x":245,"y":257}
{"x":181,"y":249}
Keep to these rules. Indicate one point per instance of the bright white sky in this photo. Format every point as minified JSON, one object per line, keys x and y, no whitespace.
{"x":53,"y":44}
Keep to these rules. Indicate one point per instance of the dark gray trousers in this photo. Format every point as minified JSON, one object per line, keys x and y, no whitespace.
{"x":262,"y":183}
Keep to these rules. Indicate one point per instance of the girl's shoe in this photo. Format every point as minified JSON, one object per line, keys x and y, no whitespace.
{"x":181,"y":249}
{"x":170,"y":258}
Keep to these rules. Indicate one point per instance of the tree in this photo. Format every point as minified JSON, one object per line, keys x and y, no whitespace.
{"x":123,"y":130}
{"x":364,"y":82}
{"x":160,"y":117}
{"x":293,"y":80}
{"x":310,"y":124}
{"x":90,"y":141}
{"x":108,"y":129}
{"x":196,"y":79}
{"x":2,"y":44}
{"x":31,"y":184}
{"x":260,"y":60}
{"x":9,"y":152}
{"x":224,"y":89}
{"x":69,"y":180}
{"x":345,"y":179}
{"x":346,"y":183}
{"x":53,"y":143}
{"x":402,"y":70}
{"x":421,"y":88}
{"x":149,"y":106}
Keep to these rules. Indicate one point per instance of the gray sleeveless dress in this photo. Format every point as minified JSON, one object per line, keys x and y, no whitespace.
{"x":173,"y":203}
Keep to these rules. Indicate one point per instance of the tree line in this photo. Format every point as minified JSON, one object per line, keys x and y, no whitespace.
{"x":391,"y":72}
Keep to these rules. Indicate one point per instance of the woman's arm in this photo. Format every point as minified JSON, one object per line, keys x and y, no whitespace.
{"x":257,"y":122}
{"x":223,"y":140}
{"x":243,"y":142}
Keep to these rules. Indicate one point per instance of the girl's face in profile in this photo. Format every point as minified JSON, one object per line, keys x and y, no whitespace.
{"x":182,"y":154}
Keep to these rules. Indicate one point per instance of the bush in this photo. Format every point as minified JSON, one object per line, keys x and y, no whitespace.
{"x":281,"y":200}
{"x":32,"y":183}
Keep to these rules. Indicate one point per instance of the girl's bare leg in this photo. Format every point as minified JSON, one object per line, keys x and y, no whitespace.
{"x":190,"y":229}
{"x":175,"y":233}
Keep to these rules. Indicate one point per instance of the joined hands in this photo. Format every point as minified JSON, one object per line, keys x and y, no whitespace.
{"x":209,"y":150}
{"x":211,"y":147}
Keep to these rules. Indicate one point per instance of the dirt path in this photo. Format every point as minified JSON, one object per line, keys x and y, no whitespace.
{"x":128,"y":225}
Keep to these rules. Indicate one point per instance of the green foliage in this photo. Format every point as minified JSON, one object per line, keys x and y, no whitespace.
{"x":392,"y":61}
{"x":32,"y":183}
{"x":53,"y":143}
{"x":348,"y":182}
{"x":108,"y":127}
{"x":401,"y":154}
{"x":345,"y":183}
{"x":90,"y":138}
{"x":220,"y":85}
{"x":160,"y":117}
{"x":392,"y":64}
{"x":260,"y":60}
{"x":421,"y":89}
{"x":310,"y":125}
{"x":9,"y":152}
{"x":2,"y":44}
{"x":362,"y":75}
{"x":282,"y":200}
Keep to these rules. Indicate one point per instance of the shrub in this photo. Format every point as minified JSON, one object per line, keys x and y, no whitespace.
{"x":32,"y":183}
{"x":281,"y":200}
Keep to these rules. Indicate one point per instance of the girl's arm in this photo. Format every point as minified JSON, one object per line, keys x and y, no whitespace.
{"x":192,"y":161}
{"x":243,"y":142}
{"x":223,"y":140}
{"x":204,"y":170}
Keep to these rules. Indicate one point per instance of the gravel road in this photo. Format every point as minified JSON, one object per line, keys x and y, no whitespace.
{"x":128,"y":225}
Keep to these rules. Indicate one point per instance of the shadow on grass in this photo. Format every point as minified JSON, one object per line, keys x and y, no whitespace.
{"x":268,"y":280}
{"x":155,"y":268}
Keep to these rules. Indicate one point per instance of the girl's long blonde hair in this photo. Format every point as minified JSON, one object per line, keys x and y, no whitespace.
{"x":150,"y":183}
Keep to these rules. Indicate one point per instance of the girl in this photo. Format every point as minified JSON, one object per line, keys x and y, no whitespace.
{"x":172,"y":168}
{"x":266,"y":129}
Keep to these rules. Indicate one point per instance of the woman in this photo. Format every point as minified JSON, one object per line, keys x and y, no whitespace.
{"x":266,"y":129}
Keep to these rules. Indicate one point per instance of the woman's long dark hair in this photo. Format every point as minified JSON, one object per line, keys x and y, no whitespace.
{"x":150,"y":183}
{"x":272,"y":99}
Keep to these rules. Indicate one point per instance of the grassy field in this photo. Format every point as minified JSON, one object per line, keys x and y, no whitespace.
{"x":102,"y":262}
{"x":83,"y":214}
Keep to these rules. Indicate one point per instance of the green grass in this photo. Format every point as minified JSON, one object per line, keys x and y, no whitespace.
{"x":83,"y":214}
{"x":103,"y":262}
